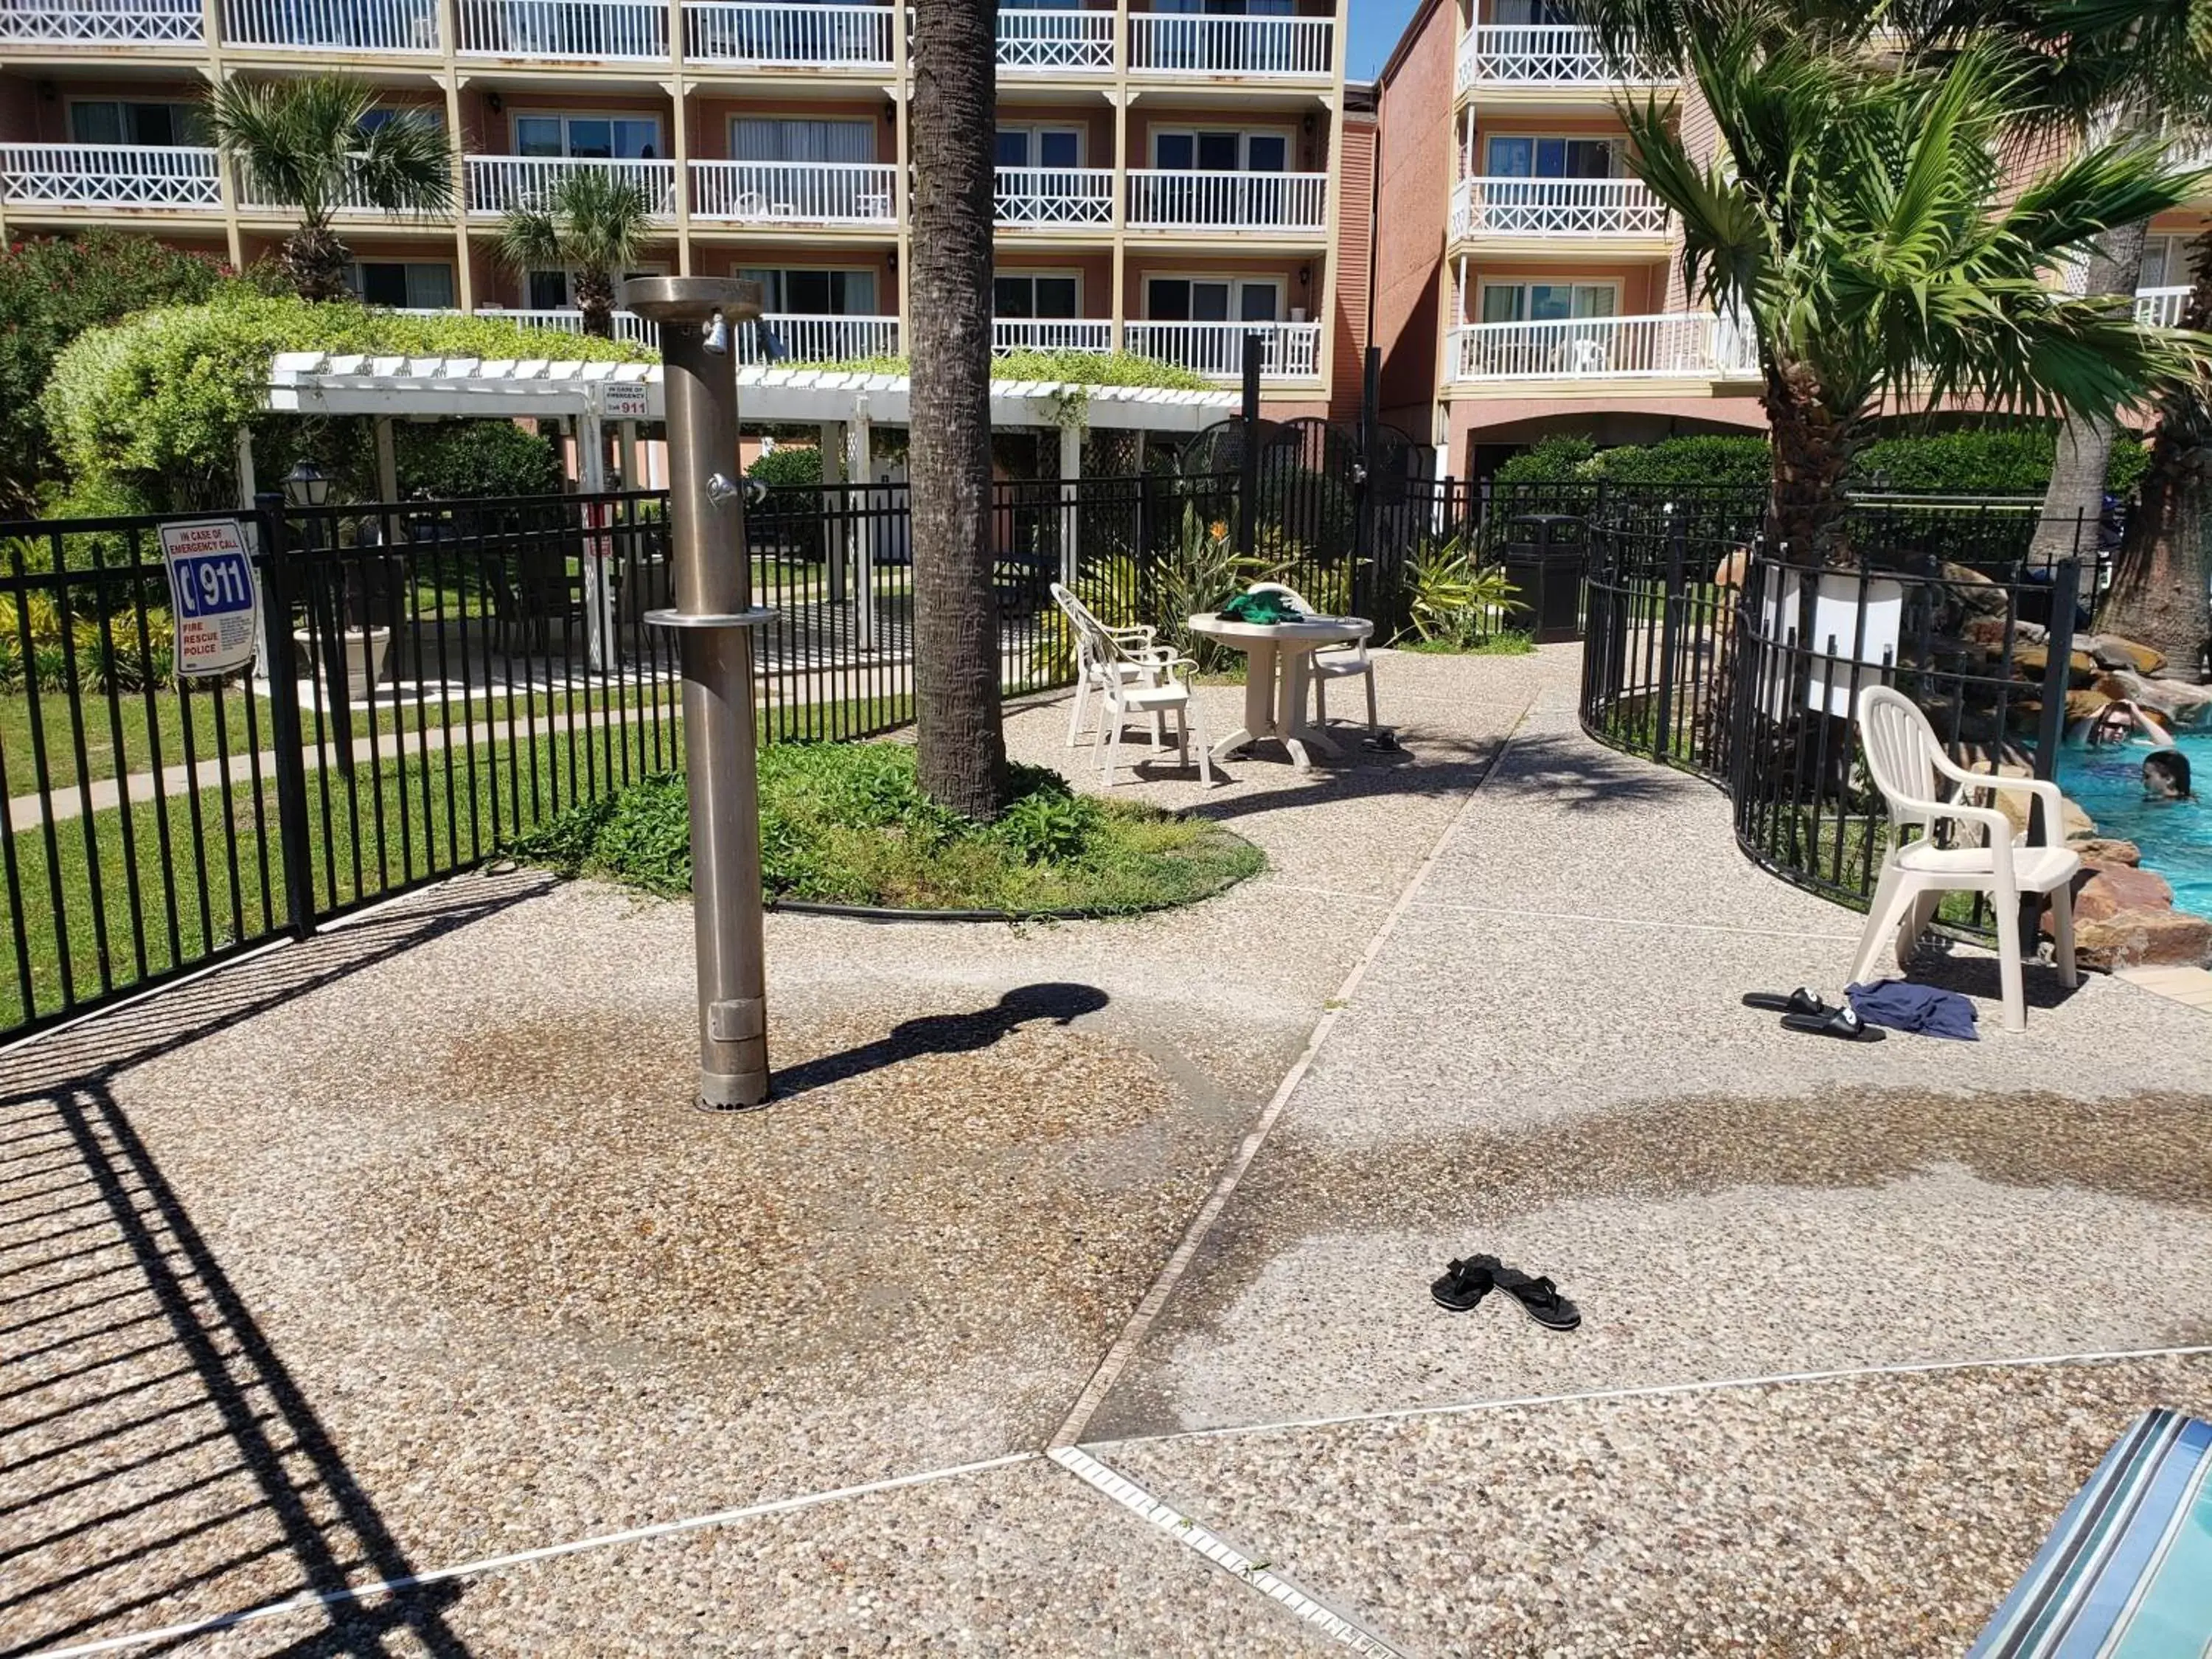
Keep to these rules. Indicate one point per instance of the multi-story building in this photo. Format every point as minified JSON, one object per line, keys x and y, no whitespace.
{"x":1525,"y":282}
{"x":1169,"y":171}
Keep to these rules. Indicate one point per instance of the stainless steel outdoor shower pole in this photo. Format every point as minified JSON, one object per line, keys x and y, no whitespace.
{"x":699,"y":317}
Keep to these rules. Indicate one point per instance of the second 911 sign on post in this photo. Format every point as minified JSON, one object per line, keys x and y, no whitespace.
{"x":211,"y":586}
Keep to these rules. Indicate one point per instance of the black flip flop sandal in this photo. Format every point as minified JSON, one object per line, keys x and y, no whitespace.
{"x":1799,"y":1001}
{"x":1842,"y":1023}
{"x":1539,"y":1299}
{"x":1464,"y":1283}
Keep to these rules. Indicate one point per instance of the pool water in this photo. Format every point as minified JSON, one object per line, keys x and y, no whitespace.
{"x":2175,"y":837}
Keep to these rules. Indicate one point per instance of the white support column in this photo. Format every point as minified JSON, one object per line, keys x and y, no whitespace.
{"x":679,"y":91}
{"x":1071,"y":478}
{"x":860,"y":529}
{"x":388,"y":461}
{"x":632,"y":478}
{"x":246,"y":486}
{"x":831,"y":438}
{"x":599,"y":590}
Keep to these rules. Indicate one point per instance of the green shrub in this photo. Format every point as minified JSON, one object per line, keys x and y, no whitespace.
{"x":1068,"y":367}
{"x":787,"y":466}
{"x":51,"y":291}
{"x":456,"y":460}
{"x":847,"y":823}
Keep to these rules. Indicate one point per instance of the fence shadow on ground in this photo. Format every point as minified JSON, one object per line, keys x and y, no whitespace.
{"x":158,"y":1464}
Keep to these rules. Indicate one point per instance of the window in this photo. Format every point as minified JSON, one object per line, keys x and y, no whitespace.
{"x":386,"y":115}
{"x":1032,"y":294}
{"x":1225,"y":8}
{"x":816,"y":293}
{"x":2164,"y":263}
{"x":588,"y":136}
{"x":1040,"y":147}
{"x":1528,"y":12}
{"x":553,"y":290}
{"x":763,"y":138}
{"x":1221,"y":152}
{"x":1213,"y":299}
{"x":424,"y":285}
{"x":1515,"y":156}
{"x":1544,"y":302}
{"x":106,"y":121}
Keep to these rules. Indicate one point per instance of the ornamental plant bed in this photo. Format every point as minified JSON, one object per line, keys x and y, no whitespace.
{"x":846,"y":824}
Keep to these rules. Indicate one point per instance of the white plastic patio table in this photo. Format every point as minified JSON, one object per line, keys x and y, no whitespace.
{"x":1276,"y":676}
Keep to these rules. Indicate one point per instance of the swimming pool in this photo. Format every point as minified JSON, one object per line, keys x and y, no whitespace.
{"x":2175,"y":837}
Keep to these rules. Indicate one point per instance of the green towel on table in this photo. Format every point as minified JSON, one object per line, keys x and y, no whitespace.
{"x":1266,"y":609}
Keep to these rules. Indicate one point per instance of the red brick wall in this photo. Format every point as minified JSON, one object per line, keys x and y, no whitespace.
{"x":1414,"y":182}
{"x":1355,"y":240}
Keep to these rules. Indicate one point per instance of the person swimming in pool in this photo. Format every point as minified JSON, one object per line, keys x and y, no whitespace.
{"x":2166,"y":776}
{"x":2118,"y":721}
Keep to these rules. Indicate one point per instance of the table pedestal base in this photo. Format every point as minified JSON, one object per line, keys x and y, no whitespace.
{"x":1275,"y":707}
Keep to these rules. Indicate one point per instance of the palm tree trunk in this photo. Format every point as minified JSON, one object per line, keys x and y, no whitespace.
{"x":1812,"y":450}
{"x":963,"y":752}
{"x":2074,"y":499}
{"x":2159,"y":596}
{"x":315,"y":263}
{"x":595,"y":299}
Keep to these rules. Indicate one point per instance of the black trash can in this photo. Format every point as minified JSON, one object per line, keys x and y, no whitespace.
{"x":1543,"y":560}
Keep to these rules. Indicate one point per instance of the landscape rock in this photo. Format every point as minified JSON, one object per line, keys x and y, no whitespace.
{"x":2100,"y":850}
{"x":1974,"y":592}
{"x":2108,"y":890}
{"x":2144,"y":938}
{"x":2111,"y":651}
{"x":2178,"y":703}
{"x":2030,"y":661}
{"x":2074,"y":824}
{"x":2082,"y":705}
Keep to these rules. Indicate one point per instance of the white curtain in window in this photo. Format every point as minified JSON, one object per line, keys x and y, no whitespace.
{"x":761,"y":138}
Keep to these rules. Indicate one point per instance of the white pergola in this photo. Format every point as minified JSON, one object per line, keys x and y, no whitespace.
{"x":845,"y":406}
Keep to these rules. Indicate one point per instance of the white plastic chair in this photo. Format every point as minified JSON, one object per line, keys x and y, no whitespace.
{"x":1103,"y":655}
{"x":1906,"y":760}
{"x":1339,"y":662}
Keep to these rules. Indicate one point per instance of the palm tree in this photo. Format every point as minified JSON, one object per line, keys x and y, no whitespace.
{"x":592,"y":222}
{"x":1859,"y":217}
{"x":306,"y":142}
{"x":962,"y":751}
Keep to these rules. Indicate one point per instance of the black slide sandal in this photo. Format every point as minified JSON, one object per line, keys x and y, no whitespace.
{"x":1842,"y":1023}
{"x":1465,"y":1283}
{"x":1539,"y":1299}
{"x":1799,"y":1001}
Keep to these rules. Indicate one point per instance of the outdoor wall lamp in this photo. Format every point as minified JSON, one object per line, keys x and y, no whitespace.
{"x":1306,"y":276}
{"x":306,"y":485}
{"x":493,"y":102}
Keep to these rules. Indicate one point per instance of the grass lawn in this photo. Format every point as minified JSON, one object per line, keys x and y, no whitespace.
{"x":846,"y":824}
{"x":1496,"y":645}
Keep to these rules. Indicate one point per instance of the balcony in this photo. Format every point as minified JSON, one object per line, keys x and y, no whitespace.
{"x":1054,"y":198}
{"x":1691,"y":345}
{"x":1290,"y":351}
{"x":1555,"y":207}
{"x":101,"y":23}
{"x":408,"y":26}
{"x":746,"y":34}
{"x":1268,"y":48}
{"x":788,"y":337}
{"x":794,"y":192}
{"x":558,"y":31}
{"x":1056,"y":41}
{"x":1051,"y":334}
{"x":497,"y":183}
{"x":1540,"y":55}
{"x":1279,"y":203}
{"x":254,"y":199}
{"x":628,"y":326}
{"x":2162,"y":308}
{"x":161,"y":178}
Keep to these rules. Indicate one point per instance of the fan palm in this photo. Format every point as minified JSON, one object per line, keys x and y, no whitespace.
{"x":306,"y":142}
{"x":1860,"y":218}
{"x":592,"y":221}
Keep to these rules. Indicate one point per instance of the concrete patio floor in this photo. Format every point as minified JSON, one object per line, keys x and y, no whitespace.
{"x":402,"y":1250}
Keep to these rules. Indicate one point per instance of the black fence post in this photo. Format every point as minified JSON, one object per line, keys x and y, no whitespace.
{"x":1663,"y":725}
{"x":1248,"y":493}
{"x":2051,"y":726}
{"x":290,"y":771}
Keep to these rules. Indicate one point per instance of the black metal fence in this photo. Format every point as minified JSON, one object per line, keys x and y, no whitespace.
{"x":436,"y":680}
{"x":1705,"y":652}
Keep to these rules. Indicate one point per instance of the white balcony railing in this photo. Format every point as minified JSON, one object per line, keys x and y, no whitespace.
{"x":791,"y":337}
{"x":100,"y":23}
{"x":794,"y":192}
{"x":1555,"y":207}
{"x":1055,"y":197}
{"x":255,"y":198}
{"x":1055,"y":40}
{"x":350,"y":24}
{"x":1051,"y":333}
{"x":2162,"y":308}
{"x":581,"y":30}
{"x":1291,"y":351}
{"x":1539,"y":54}
{"x":628,"y":326}
{"x":497,"y":183}
{"x":1279,"y":202}
{"x":1182,"y":43}
{"x":1694,"y":345}
{"x":822,"y":37}
{"x":109,"y":176}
